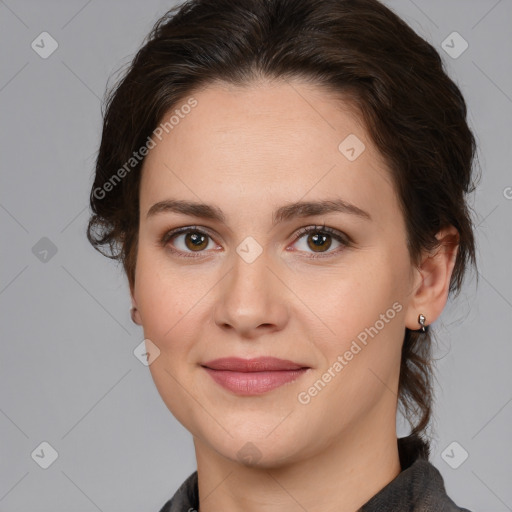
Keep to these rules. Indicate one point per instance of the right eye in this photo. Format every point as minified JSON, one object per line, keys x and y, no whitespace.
{"x":189,"y":239}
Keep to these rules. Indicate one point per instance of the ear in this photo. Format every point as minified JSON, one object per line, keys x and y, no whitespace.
{"x":432,"y":280}
{"x":135,"y":312}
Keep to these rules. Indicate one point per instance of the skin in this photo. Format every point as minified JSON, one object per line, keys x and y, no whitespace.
{"x":249,"y":150}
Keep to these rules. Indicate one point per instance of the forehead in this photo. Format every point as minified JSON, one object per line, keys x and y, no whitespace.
{"x":278,"y":140}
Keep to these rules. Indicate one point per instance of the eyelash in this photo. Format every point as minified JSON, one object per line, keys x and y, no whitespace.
{"x":344,"y":240}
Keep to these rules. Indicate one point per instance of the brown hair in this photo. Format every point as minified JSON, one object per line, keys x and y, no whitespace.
{"x":358,"y":49}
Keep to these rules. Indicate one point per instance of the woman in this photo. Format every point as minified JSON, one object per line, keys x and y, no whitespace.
{"x":285,"y":184}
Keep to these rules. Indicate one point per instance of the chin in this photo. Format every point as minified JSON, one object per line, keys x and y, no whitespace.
{"x":263,"y":452}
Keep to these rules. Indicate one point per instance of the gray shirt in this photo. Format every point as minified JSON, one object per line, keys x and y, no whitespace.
{"x":418,"y":488}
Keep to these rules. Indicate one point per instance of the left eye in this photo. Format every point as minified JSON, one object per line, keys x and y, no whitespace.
{"x":319,"y":239}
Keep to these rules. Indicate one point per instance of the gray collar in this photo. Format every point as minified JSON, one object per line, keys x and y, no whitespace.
{"x":418,"y":488}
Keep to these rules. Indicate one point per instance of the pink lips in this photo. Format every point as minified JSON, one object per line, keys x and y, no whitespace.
{"x":253,"y":376}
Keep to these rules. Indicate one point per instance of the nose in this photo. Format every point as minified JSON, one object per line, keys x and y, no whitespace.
{"x":252,"y":299}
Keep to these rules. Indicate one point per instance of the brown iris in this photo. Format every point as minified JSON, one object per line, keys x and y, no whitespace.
{"x":315,"y":241}
{"x":196,"y":241}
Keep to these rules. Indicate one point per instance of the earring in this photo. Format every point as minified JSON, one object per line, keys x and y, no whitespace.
{"x":132,"y":313}
{"x":421,"y":321}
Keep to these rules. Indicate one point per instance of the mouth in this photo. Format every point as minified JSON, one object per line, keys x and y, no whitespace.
{"x":253,"y":376}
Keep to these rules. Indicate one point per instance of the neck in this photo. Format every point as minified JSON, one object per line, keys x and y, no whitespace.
{"x":341,"y":478}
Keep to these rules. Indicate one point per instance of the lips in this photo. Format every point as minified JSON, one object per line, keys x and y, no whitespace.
{"x":259,"y":364}
{"x":253,"y":376}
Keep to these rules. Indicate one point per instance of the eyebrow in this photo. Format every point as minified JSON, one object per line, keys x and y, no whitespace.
{"x":282,"y":214}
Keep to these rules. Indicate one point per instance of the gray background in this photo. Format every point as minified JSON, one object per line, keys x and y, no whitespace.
{"x":68,"y":375}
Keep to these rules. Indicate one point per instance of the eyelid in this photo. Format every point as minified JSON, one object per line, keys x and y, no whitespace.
{"x":168,"y":234}
{"x":339,"y":235}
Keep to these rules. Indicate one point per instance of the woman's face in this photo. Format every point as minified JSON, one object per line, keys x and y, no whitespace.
{"x":251,"y":284}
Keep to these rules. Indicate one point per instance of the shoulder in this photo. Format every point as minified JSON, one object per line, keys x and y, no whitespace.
{"x":434,"y":496}
{"x":419,"y":487}
{"x":186,"y":498}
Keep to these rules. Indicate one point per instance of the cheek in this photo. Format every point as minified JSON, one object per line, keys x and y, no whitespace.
{"x":364,"y":308}
{"x":353,"y":297}
{"x":360,"y":365}
{"x":166,"y":305}
{"x":161,"y":297}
